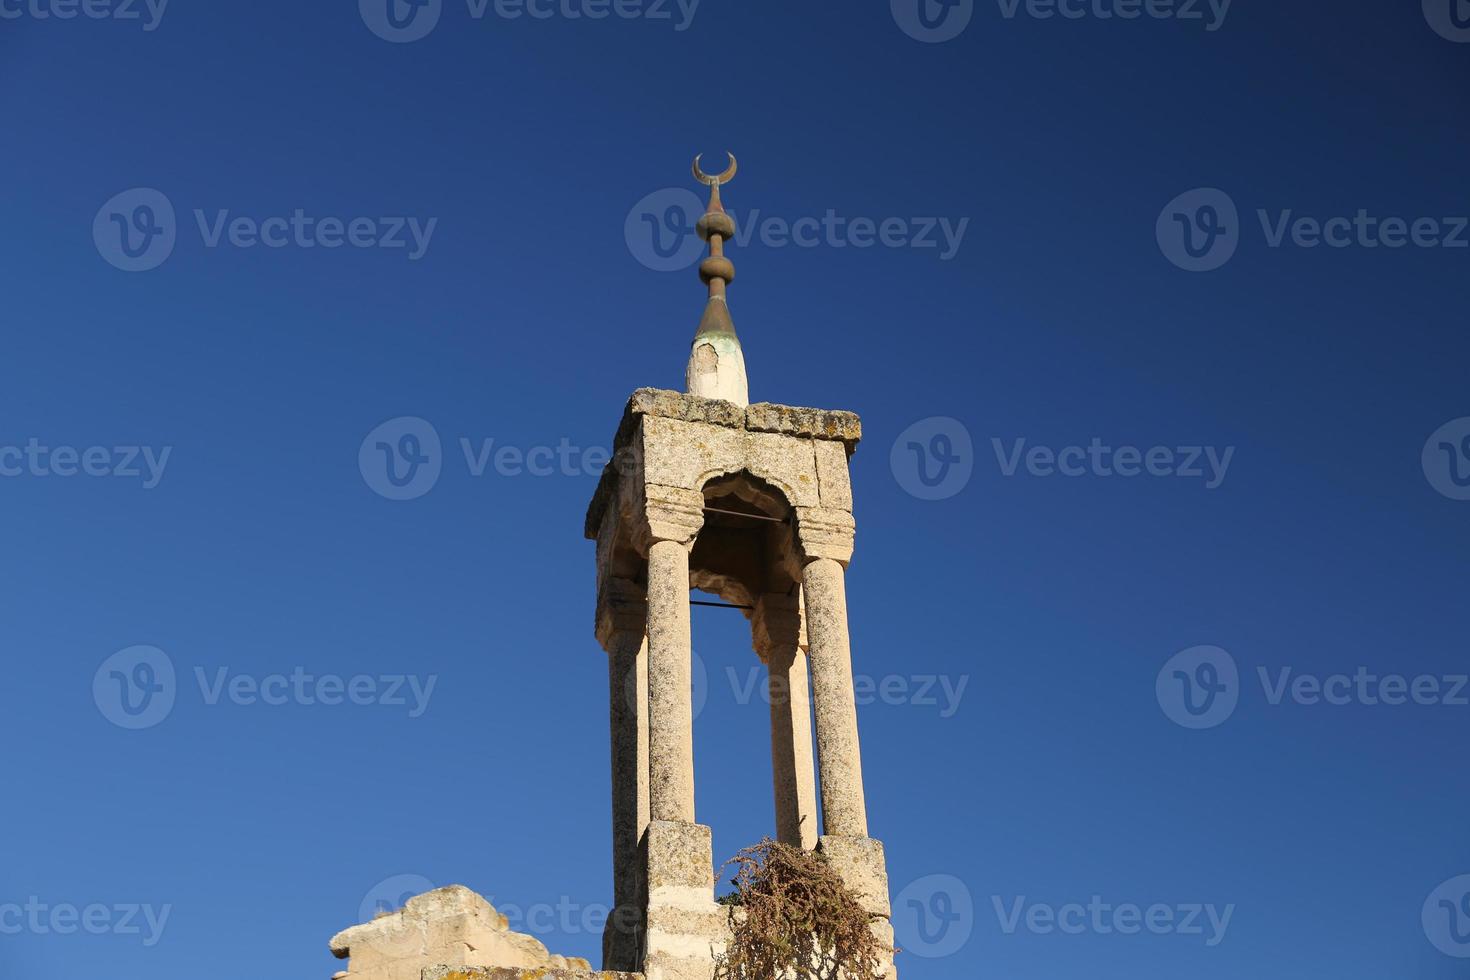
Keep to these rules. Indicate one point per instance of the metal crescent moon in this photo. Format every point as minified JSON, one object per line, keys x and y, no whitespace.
{"x":723,"y":178}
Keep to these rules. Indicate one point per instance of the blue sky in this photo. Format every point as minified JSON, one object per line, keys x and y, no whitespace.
{"x":1220,"y":248}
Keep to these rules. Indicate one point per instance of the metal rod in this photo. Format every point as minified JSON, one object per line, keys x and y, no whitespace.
{"x":717,"y":605}
{"x":741,"y":513}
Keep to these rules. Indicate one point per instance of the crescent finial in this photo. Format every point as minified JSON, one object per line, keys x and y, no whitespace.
{"x":716,"y":181}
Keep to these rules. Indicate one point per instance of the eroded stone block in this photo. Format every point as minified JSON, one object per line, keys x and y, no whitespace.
{"x":860,"y":862}
{"x":451,"y":927}
{"x":442,"y":972}
{"x":679,"y":855}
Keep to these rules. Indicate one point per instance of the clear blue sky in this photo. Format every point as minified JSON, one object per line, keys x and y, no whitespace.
{"x":532,"y":310}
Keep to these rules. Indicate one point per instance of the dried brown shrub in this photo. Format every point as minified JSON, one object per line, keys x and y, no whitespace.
{"x":799,"y":921}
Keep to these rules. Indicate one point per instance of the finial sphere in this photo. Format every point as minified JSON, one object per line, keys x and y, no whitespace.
{"x":715,"y":181}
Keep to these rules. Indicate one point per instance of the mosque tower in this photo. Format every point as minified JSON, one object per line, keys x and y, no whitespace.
{"x":752,"y":503}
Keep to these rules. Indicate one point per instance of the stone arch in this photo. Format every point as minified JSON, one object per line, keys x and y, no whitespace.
{"x":756,"y":475}
{"x":746,"y":546}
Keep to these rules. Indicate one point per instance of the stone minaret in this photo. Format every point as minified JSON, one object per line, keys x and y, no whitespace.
{"x":751,"y":503}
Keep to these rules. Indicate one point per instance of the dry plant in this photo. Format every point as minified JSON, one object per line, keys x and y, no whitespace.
{"x":793,"y":918}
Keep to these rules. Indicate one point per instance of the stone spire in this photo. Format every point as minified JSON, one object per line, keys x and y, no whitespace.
{"x":716,"y":363}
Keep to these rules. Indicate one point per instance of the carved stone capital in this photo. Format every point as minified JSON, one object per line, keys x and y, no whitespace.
{"x":622,"y":613}
{"x":824,"y":532}
{"x":668,"y":514}
{"x":775,"y":626}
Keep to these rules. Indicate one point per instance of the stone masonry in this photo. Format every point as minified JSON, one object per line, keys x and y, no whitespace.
{"x":753,"y":504}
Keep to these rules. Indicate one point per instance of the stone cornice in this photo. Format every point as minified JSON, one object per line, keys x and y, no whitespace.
{"x":810,"y":423}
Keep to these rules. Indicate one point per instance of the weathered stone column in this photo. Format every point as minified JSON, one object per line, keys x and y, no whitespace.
{"x":844,"y":811}
{"x":776,"y":628}
{"x":670,"y":707}
{"x":622,"y":622}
